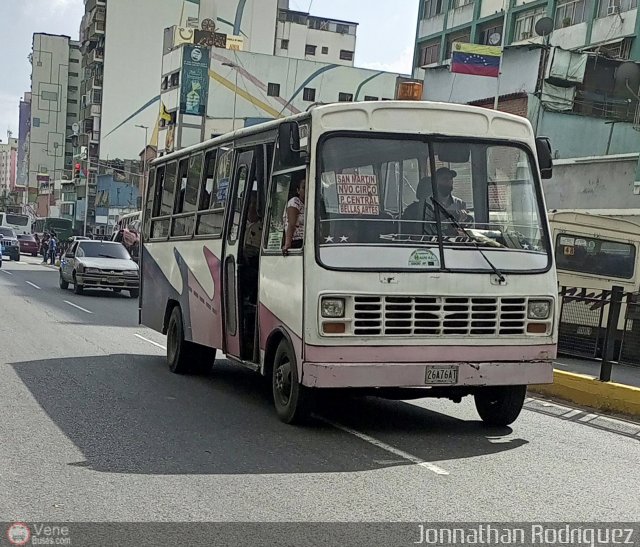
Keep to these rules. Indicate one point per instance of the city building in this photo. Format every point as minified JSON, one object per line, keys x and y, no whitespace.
{"x":8,"y":163}
{"x":300,"y":35}
{"x":122,"y":45}
{"x":608,"y":27}
{"x":55,"y":100}
{"x":24,"y":128}
{"x":210,"y":91}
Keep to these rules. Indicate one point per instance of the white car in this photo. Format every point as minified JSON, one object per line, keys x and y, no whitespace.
{"x":9,"y":244}
{"x":101,"y":265}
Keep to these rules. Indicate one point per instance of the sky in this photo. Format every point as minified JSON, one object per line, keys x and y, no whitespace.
{"x":385,"y":38}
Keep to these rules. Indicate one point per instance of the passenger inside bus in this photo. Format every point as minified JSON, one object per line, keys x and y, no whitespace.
{"x":293,"y":217}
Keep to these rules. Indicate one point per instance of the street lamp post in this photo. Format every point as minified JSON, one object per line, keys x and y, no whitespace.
{"x":235,"y":92}
{"x":144,"y":157}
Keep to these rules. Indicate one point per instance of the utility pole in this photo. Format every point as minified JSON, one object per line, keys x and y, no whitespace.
{"x":142,"y":186}
{"x":86,"y":197}
{"x":235,"y":92}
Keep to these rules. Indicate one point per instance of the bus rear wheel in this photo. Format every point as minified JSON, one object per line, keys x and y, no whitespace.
{"x":500,"y":405}
{"x":292,"y":400}
{"x":186,"y":357}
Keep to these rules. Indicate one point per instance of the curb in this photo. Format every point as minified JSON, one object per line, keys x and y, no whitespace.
{"x":591,"y":392}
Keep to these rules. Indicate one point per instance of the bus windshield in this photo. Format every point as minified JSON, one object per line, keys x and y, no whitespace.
{"x":431,"y":199}
{"x":16,"y":220}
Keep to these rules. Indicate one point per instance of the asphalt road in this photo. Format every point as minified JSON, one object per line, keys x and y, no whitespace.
{"x":93,"y":427}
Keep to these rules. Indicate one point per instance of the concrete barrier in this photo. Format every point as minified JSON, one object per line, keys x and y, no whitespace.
{"x":590,"y":392}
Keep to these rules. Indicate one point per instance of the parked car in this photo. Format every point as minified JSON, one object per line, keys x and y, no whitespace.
{"x":9,"y":245}
{"x":101,"y":265}
{"x":28,"y":244}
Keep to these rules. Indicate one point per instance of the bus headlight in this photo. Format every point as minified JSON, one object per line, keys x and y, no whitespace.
{"x":332,"y":308}
{"x":539,"y":310}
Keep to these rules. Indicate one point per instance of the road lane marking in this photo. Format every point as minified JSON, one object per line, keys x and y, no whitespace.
{"x":79,"y":307}
{"x":6,"y":272}
{"x":33,"y":285}
{"x":150,"y":341}
{"x":588,"y":418}
{"x":386,"y":447}
{"x":571,"y":413}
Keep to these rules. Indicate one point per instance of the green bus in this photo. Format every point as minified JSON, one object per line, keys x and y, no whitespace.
{"x":63,"y":227}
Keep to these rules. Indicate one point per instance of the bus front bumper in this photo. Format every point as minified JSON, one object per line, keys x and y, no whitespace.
{"x":412,"y":375}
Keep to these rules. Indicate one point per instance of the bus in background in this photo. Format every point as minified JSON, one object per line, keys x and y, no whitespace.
{"x":131,"y":221}
{"x":63,"y":227}
{"x":398,"y":249}
{"x":594,"y":253}
{"x":20,"y":224}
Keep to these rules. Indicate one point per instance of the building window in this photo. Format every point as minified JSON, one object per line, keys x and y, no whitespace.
{"x":491,"y":36}
{"x":432,"y":8}
{"x":462,"y":3}
{"x":35,"y":122}
{"x":325,"y":50}
{"x":346,"y":55}
{"x":611,"y":7}
{"x":284,"y":44}
{"x":73,"y":88}
{"x":310,"y":50}
{"x":429,"y":54}
{"x":463,"y":37}
{"x":72,"y":101}
{"x":49,"y":96}
{"x":370,"y":98}
{"x":73,"y":74}
{"x":273,"y":90}
{"x":74,"y":60}
{"x":525,"y":23}
{"x":319,"y":24}
{"x":309,"y":94}
{"x":342,"y":29}
{"x":569,"y":12}
{"x":345,"y":97}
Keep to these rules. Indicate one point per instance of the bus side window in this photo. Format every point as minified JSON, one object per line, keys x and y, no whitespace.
{"x":283,"y":188}
{"x":207,"y":180}
{"x":169,"y":190}
{"x":181,"y":189}
{"x":212,"y":222}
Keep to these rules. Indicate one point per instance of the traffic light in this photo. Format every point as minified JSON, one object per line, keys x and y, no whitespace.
{"x":76,"y":171}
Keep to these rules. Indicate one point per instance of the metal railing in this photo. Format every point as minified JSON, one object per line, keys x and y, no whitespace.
{"x":591,"y":327}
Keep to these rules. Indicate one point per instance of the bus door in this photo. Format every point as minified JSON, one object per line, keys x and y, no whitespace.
{"x":238,"y":293}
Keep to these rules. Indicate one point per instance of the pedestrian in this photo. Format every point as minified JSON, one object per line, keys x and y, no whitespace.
{"x":53,"y":248}
{"x":44,"y":249}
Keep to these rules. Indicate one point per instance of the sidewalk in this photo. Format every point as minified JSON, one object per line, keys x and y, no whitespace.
{"x":576,"y":380}
{"x":620,"y":374}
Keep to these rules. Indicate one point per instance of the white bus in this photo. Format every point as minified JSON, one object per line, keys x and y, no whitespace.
{"x":20,"y":224}
{"x":384,"y":288}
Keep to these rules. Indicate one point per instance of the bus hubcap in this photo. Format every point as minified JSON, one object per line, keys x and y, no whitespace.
{"x":283,"y":381}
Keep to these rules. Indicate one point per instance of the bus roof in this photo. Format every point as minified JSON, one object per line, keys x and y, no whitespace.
{"x":372,"y":115}
{"x":598,"y":222}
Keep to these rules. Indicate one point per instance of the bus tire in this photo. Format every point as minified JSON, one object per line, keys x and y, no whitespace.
{"x":292,"y":400}
{"x":186,"y":357}
{"x":500,"y":405}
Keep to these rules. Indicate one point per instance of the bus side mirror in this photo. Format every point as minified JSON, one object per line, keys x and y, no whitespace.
{"x":289,"y":143}
{"x":545,"y":157}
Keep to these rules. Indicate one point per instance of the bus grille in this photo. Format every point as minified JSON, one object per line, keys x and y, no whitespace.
{"x":439,"y":316}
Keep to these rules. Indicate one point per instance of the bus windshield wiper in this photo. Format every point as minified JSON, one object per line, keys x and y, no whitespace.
{"x":473,"y":238}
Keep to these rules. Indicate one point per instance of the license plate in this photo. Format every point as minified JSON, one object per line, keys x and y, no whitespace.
{"x":441,"y":375}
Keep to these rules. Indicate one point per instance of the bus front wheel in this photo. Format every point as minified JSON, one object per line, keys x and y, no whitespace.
{"x":186,"y":357}
{"x":292,"y":400}
{"x":500,"y":405}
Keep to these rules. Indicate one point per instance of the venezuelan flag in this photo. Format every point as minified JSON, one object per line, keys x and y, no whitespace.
{"x":476,"y":60}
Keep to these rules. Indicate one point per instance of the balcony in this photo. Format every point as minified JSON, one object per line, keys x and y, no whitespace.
{"x":95,"y":56}
{"x":92,"y":4}
{"x":96,"y":29}
{"x":95,"y":82}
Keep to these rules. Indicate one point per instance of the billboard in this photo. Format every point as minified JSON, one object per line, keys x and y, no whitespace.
{"x":24,"y":129}
{"x":194,"y":92}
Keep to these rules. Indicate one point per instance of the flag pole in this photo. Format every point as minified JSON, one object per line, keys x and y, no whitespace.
{"x":505,"y":8}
